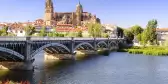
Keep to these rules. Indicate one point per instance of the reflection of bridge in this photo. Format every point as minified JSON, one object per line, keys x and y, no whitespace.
{"x":23,"y":49}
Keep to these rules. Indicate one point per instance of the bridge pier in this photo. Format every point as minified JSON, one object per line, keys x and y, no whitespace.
{"x":48,"y":57}
{"x":72,"y":48}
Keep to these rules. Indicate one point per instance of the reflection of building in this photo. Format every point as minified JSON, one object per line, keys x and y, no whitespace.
{"x":78,"y":18}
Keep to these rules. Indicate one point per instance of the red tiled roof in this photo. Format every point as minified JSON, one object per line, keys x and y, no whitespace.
{"x":161,"y":29}
{"x":3,"y":25}
{"x":64,"y":25}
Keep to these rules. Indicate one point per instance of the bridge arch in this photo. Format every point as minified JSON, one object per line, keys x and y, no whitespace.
{"x":84,"y":43}
{"x":6,"y":50}
{"x":102,"y":42}
{"x":48,"y":45}
{"x":114,"y":43}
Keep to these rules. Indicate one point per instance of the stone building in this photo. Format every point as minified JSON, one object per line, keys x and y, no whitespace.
{"x":77,"y":18}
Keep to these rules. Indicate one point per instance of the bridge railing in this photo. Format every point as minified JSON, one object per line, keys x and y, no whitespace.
{"x":49,"y":38}
{"x":7,"y":38}
{"x":10,"y":38}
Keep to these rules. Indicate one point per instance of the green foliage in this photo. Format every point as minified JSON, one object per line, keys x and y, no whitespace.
{"x":29,"y":30}
{"x":105,"y":35}
{"x":72,"y":34}
{"x":51,"y":34}
{"x":120,"y":32}
{"x":79,"y":34}
{"x":129,"y":35}
{"x":94,"y":29}
{"x":56,"y":34}
{"x":144,"y":38}
{"x":136,"y":30}
{"x":43,"y":32}
{"x":151,"y":29}
{"x":4,"y":30}
{"x":11,"y":34}
{"x":152,"y":50}
{"x":139,"y":37}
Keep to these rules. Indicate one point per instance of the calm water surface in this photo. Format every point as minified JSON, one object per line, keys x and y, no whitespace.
{"x":117,"y":68}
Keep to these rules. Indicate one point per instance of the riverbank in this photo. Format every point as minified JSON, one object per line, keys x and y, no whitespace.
{"x":151,"y":50}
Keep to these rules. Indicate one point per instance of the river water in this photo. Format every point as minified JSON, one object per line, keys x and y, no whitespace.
{"x":117,"y":68}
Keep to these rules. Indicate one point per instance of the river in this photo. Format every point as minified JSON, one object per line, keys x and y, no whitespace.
{"x":117,"y":68}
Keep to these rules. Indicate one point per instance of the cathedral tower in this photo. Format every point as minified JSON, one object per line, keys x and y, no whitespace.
{"x":79,"y":11}
{"x":49,"y":11}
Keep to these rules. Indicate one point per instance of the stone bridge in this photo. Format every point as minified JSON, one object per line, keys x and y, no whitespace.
{"x":23,"y":49}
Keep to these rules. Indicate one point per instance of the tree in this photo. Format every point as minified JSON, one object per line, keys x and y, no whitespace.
{"x":43,"y":31}
{"x":29,"y":30}
{"x":105,"y":35}
{"x":139,"y":37}
{"x":151,"y":30}
{"x":94,"y":29}
{"x":144,"y":37}
{"x":4,"y":31}
{"x":136,"y":30}
{"x":120,"y":32}
{"x":129,"y":35}
{"x":79,"y":34}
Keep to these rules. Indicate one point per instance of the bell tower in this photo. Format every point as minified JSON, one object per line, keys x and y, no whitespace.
{"x":79,"y":11}
{"x":49,"y":11}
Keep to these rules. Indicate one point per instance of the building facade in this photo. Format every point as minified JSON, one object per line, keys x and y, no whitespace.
{"x":77,"y":18}
{"x":162,"y":35}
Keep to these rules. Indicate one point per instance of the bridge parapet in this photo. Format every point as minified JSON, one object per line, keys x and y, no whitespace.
{"x":50,"y":38}
{"x":8,"y":38}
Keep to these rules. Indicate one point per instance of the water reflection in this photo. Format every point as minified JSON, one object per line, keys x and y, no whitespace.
{"x":17,"y":76}
{"x":117,"y":68}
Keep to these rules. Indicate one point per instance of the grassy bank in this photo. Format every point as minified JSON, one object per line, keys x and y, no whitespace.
{"x":152,"y":50}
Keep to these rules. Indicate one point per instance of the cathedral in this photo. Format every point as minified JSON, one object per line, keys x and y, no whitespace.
{"x":77,"y":18}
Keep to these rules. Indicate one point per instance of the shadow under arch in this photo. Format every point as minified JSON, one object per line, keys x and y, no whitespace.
{"x":48,"y":45}
{"x":102,"y":42}
{"x":84,"y":43}
{"x":113,"y":43}
{"x":12,"y":52}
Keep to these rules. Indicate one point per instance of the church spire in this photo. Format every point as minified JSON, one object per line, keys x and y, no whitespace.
{"x":79,"y":2}
{"x":49,"y":4}
{"x":79,"y":11}
{"x":49,"y":12}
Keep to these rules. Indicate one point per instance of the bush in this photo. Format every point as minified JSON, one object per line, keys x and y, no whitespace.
{"x":153,"y":50}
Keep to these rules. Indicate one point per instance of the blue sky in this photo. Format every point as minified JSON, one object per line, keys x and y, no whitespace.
{"x":124,"y":13}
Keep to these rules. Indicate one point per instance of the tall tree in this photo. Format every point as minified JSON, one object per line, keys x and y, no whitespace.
{"x":136,"y":30}
{"x":129,"y":35}
{"x":120,"y":32}
{"x":29,"y":30}
{"x":151,"y":29}
{"x":94,"y":29}
{"x":144,"y":37}
{"x":43,"y":31}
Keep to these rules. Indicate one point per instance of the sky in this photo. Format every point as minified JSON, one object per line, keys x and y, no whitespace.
{"x":124,"y":13}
